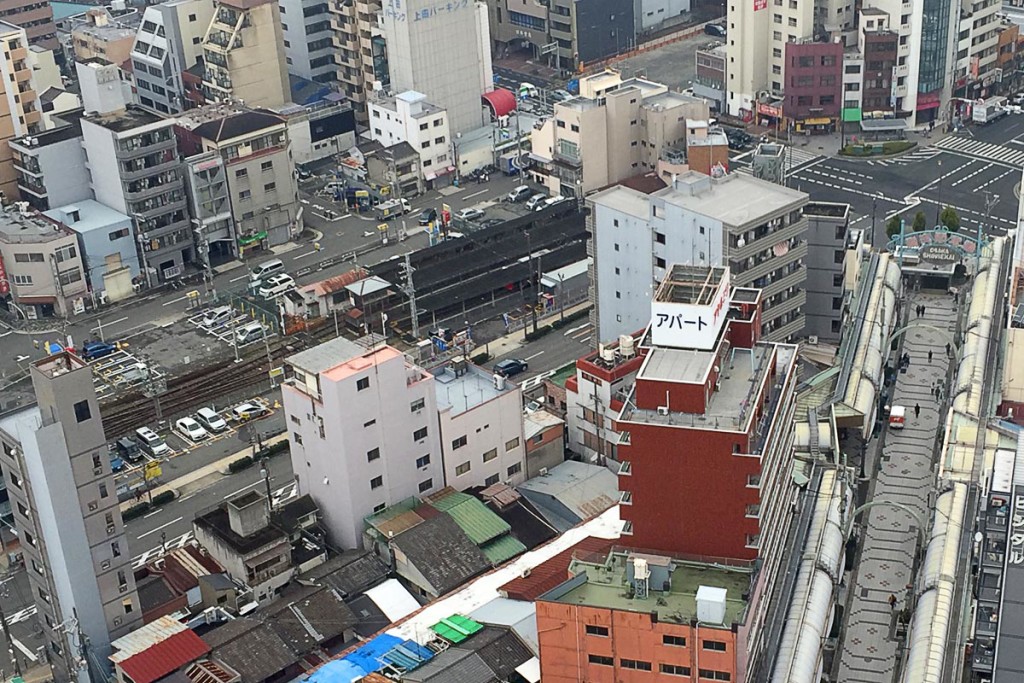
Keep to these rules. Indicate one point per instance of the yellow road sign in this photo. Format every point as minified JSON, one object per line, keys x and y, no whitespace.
{"x":152,"y":470}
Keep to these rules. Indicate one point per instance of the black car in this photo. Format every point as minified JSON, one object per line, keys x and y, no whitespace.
{"x":428,"y":216}
{"x":511,"y":367}
{"x":715,"y":30}
{"x":128,"y":449}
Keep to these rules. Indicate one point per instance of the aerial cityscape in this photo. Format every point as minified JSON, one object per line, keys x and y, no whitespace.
{"x":511,"y":341}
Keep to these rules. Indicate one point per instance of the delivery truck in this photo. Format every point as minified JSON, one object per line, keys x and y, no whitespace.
{"x":987,"y":111}
{"x":393,"y":209}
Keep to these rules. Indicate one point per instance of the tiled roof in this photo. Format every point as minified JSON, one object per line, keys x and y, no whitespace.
{"x":442,"y":553}
{"x":257,"y":654}
{"x":552,"y":573}
{"x":309,"y":621}
{"x":479,"y":523}
{"x":164,"y":657}
{"x":350,"y":573}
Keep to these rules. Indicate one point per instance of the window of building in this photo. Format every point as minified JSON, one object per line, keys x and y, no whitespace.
{"x":245,"y":195}
{"x":270,"y":187}
{"x":372,"y":454}
{"x":127,"y":606}
{"x":601,"y":660}
{"x":419,"y":434}
{"x":677,"y":641}
{"x":491,"y":455}
{"x":439,"y":141}
{"x":23,"y":279}
{"x":674,"y":669}
{"x":362,"y":383}
{"x":103,"y":490}
{"x":423,"y":461}
{"x":426,"y":485}
{"x":115,"y":549}
{"x":616,"y":246}
{"x":267,"y":166}
{"x":637,"y":664}
{"x":459,"y":442}
{"x":712,"y":675}
{"x":838,"y":256}
{"x":424,"y":145}
{"x":716,"y":645}
{"x":753,"y":481}
{"x":594,"y":630}
{"x":417,"y":405}
{"x":560,"y":123}
{"x":241,"y":173}
{"x":82,"y":411}
{"x":753,"y":540}
{"x":65,"y":254}
{"x":491,"y":480}
{"x":379,"y":507}
{"x":118,"y":234}
{"x":376,"y":483}
{"x":463,"y":468}
{"x":438,"y":122}
{"x":576,"y":129}
{"x":512,"y":443}
{"x":659,"y":237}
{"x":837,"y":303}
{"x":514,"y":469}
{"x":424,"y":126}
{"x":29,"y":258}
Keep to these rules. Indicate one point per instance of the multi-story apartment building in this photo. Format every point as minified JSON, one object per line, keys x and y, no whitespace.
{"x":51,"y":165}
{"x":261,"y":181}
{"x":879,"y":47}
{"x":705,"y":378}
{"x":754,"y":227}
{"x":101,"y":36}
{"x":360,"y":51}
{"x":828,"y":239}
{"x":210,"y":205}
{"x":363,"y":431}
{"x":135,"y":169}
{"x":168,"y":42}
{"x":309,"y":39}
{"x":814,"y":81}
{"x":624,"y":128}
{"x":35,"y":17}
{"x":43,"y":272}
{"x":977,"y":71}
{"x":710,"y":79}
{"x":19,"y":102}
{"x":481,"y":421}
{"x":409,"y":117}
{"x":243,"y":51}
{"x":443,"y":51}
{"x":57,"y":472}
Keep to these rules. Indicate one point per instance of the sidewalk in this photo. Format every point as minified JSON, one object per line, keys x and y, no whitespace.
{"x":516,"y":340}
{"x":219,"y":467}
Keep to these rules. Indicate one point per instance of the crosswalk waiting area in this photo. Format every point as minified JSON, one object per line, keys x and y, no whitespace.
{"x":983,"y":150}
{"x":795,"y":158}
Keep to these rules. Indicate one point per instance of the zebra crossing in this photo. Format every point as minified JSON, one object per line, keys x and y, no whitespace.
{"x":921,"y":154}
{"x":794,"y":159}
{"x":992,"y":153}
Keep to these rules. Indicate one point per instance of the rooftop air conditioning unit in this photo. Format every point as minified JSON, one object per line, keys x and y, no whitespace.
{"x":662,"y":410}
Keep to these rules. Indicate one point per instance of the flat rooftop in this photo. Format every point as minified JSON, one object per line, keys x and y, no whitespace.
{"x":127,"y":119}
{"x":21,"y":422}
{"x":30,"y":227}
{"x":606,"y":583}
{"x":695,"y":285}
{"x":326,"y":356}
{"x":467,"y":391}
{"x":91,"y":216}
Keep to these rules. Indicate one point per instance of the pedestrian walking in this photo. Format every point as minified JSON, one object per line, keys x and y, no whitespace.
{"x":929,"y":355}
{"x":948,"y":348}
{"x":924,"y":310}
{"x":917,"y":410}
{"x":892,"y":601}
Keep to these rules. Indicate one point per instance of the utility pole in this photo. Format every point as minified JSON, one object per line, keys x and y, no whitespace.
{"x":7,"y":628}
{"x":265,"y":473}
{"x":409,"y":289}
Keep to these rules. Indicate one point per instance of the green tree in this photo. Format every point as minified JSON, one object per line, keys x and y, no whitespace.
{"x":892,"y":226}
{"x":920,"y":222}
{"x":949,"y":218}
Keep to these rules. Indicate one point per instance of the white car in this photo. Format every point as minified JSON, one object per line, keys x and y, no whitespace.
{"x":248,"y":411}
{"x":191,"y":429}
{"x":1018,"y":98}
{"x":217,"y":317}
{"x":470,"y":214}
{"x":211,"y":420}
{"x":276,"y":285}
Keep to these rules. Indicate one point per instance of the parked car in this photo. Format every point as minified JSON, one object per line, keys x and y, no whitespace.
{"x":128,"y":449}
{"x":470,"y":214}
{"x":549,"y":202}
{"x":491,"y":222}
{"x":97,"y":349}
{"x":151,"y":443}
{"x":276,"y":285}
{"x":217,"y":317}
{"x":116,"y":463}
{"x":511,"y":367}
{"x":518,"y":194}
{"x":250,"y":332}
{"x":536,"y":200}
{"x":427,"y":217}
{"x":266,"y":269}
{"x":191,"y":429}
{"x":716,"y":30}
{"x":248,"y":411}
{"x":1018,"y":98}
{"x":211,"y":420}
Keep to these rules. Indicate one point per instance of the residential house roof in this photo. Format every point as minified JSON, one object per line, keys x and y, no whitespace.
{"x":310,"y":619}
{"x":526,"y":521}
{"x":291,"y":514}
{"x":236,"y":125}
{"x":371,"y":618}
{"x":393,"y":599}
{"x":336,"y":283}
{"x":479,"y":523}
{"x":242,"y":640}
{"x":440,"y":550}
{"x":553,"y":572}
{"x":490,"y":655}
{"x":572,"y":492}
{"x":351,"y":573}
{"x":157,"y":649}
{"x":519,"y":615}
{"x":216,"y":522}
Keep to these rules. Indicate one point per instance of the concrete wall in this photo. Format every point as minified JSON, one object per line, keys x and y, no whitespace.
{"x":490,"y":426}
{"x":650,"y":13}
{"x":100,"y":146}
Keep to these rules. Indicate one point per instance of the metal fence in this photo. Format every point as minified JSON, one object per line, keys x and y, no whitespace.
{"x":555,"y":308}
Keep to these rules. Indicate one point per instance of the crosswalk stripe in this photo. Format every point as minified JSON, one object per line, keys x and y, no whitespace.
{"x":983,"y":150}
{"x":794,"y":158}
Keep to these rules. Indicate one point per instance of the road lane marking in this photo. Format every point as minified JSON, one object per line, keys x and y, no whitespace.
{"x":476,"y":194}
{"x":240,"y":277}
{"x":114,"y":322}
{"x":244,"y":488}
{"x":159,"y":528}
{"x":308,"y":253}
{"x":154,"y":512}
{"x":539,"y":353}
{"x":174,"y":301}
{"x":24,"y":650}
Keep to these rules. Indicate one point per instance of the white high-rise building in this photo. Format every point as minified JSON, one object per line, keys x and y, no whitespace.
{"x":309,"y":39}
{"x":444,"y":52}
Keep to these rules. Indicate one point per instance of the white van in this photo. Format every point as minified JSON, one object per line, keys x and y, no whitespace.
{"x":250,"y":332}
{"x":217,"y":317}
{"x":266,"y":269}
{"x":276,"y":285}
{"x":150,"y":442}
{"x":550,"y":201}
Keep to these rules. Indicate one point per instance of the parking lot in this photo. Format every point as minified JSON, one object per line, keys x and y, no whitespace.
{"x":225,"y":329}
{"x":123,"y":371}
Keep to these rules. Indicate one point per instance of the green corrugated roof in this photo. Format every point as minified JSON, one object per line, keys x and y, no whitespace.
{"x":479,"y":522}
{"x":456,"y":628}
{"x":502,"y":549}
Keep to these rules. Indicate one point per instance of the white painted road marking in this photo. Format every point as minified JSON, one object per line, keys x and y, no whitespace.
{"x":539,"y":353}
{"x":161,"y":527}
{"x":174,"y":301}
{"x":476,"y":194}
{"x":244,"y":488}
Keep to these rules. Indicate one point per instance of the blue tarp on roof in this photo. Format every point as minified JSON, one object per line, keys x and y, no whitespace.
{"x":338,"y":671}
{"x":409,"y":655}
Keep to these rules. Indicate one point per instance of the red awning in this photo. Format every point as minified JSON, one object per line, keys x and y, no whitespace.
{"x":501,"y":101}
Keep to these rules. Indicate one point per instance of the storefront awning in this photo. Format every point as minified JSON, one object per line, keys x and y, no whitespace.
{"x":246,"y":240}
{"x":501,"y":101}
{"x":824,"y":121}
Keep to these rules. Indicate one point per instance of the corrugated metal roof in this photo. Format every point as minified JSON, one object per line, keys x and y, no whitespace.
{"x":480,"y":524}
{"x":160,"y":659}
{"x":146,"y":637}
{"x":456,"y":628}
{"x":503,"y":549}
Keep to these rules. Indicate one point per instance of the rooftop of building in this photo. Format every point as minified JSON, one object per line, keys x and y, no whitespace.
{"x":736,"y":199}
{"x":538,"y":422}
{"x":715,"y":47}
{"x":579,"y":104}
{"x":21,"y":422}
{"x":237,"y":124}
{"x":873,"y":12}
{"x":442,"y":553}
{"x":572,"y":492}
{"x":410,"y":97}
{"x":563,"y":374}
{"x":217,"y":522}
{"x":695,"y":285}
{"x":91,"y":216}
{"x":326,"y":356}
{"x":16,"y":226}
{"x":107,"y":32}
{"x":606,"y":582}
{"x":129,"y":118}
{"x":712,"y":139}
{"x":71,"y":129}
{"x":828,"y":209}
{"x":668,"y":99}
{"x":462,"y":386}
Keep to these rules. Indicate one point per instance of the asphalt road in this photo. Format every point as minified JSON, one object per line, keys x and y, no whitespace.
{"x":553,"y":350}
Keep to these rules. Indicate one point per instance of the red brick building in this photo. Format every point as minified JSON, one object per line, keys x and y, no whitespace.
{"x":814,"y":83}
